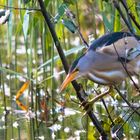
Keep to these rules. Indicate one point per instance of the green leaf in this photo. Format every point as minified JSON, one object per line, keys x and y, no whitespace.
{"x":70,"y":1}
{"x":69,"y":25}
{"x":107,"y":24}
{"x":61,"y":11}
{"x":26,"y":24}
{"x":46,"y":2}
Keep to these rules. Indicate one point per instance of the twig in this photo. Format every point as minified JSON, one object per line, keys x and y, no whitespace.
{"x":125,"y":68}
{"x":124,"y":122}
{"x":116,"y":5}
{"x":78,"y":89}
{"x":130,"y":79}
{"x":82,"y":38}
{"x":103,"y":101}
{"x":17,"y":8}
{"x":70,"y":15}
{"x":136,"y":111}
{"x":130,"y":14}
{"x":99,"y":96}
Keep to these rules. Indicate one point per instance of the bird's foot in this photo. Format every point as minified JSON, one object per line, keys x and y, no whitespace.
{"x":88,"y":104}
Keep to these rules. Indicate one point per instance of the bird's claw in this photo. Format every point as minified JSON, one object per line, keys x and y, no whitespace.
{"x":87,"y":105}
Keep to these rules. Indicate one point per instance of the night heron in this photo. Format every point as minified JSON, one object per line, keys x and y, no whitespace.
{"x":108,"y":61}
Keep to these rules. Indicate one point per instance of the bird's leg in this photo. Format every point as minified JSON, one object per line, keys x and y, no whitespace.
{"x":88,"y":104}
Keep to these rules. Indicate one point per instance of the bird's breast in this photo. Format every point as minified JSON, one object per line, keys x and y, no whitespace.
{"x":107,"y":77}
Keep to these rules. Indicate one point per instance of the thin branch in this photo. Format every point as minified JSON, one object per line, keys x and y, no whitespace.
{"x":79,"y":90}
{"x":124,"y":122}
{"x":82,"y":38}
{"x":125,"y":68}
{"x":131,"y":80}
{"x":70,"y":15}
{"x":17,"y":8}
{"x":127,"y":102}
{"x":130,"y":14}
{"x":116,"y":5}
{"x":104,"y":103}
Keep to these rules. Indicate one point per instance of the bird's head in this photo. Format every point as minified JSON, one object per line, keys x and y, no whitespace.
{"x":77,"y":69}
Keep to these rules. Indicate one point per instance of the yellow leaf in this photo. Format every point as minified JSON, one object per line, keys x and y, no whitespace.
{"x":22,"y":89}
{"x":22,"y":106}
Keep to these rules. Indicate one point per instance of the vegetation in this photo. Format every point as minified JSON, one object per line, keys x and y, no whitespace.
{"x":39,"y":39}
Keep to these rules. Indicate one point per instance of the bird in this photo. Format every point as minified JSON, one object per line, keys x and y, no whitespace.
{"x":109,"y":60}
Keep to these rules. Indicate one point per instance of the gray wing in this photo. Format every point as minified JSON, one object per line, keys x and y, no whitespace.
{"x":119,"y":44}
{"x":108,"y":39}
{"x":127,"y":49}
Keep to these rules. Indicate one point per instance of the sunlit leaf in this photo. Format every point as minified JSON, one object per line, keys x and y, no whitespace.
{"x":117,"y":24}
{"x":22,"y":89}
{"x":106,"y":126}
{"x":118,"y":120}
{"x":67,"y":96}
{"x":132,"y":7}
{"x":69,"y":25}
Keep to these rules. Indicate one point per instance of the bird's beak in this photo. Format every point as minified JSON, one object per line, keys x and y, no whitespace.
{"x":70,"y":77}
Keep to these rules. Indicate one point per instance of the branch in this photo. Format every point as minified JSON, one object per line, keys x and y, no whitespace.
{"x":125,"y":68}
{"x":124,"y":123}
{"x":79,"y":90}
{"x":127,"y":102}
{"x":130,"y":14}
{"x":105,"y":106}
{"x":116,"y":5}
{"x":17,"y":8}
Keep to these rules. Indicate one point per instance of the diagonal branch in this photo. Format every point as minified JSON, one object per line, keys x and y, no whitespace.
{"x":130,"y":14}
{"x":19,"y":8}
{"x":127,"y":102}
{"x":117,"y":6}
{"x":79,"y":90}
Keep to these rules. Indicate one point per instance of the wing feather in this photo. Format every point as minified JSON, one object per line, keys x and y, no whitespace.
{"x":126,"y":45}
